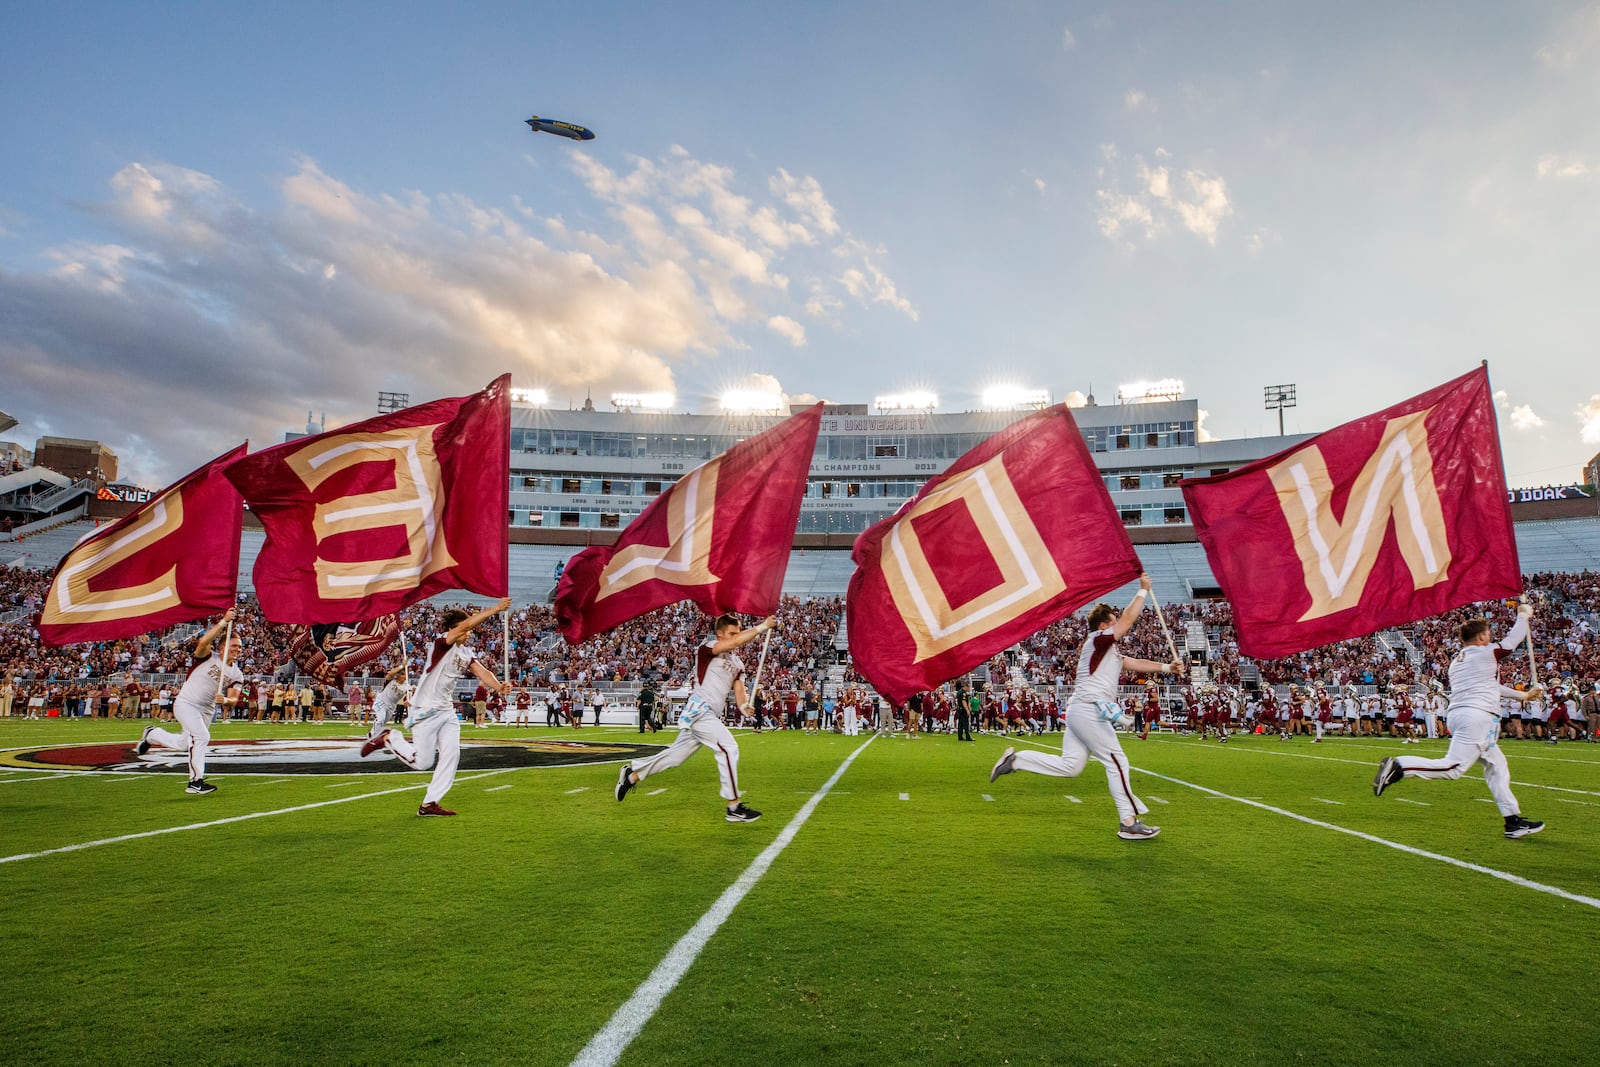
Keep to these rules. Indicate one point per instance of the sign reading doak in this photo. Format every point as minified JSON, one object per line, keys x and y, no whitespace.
{"x":173,"y":560}
{"x":719,"y":537}
{"x":365,"y":520}
{"x":1375,"y":523}
{"x":1018,"y":533}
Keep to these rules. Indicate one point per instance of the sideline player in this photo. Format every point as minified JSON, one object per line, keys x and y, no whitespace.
{"x":1474,"y":721}
{"x":1092,"y":709}
{"x":208,"y":666}
{"x":435,"y":730}
{"x":717,"y":671}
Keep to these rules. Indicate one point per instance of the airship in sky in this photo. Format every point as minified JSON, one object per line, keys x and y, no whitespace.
{"x":560,"y":129}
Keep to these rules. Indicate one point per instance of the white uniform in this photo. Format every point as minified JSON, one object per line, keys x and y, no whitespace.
{"x":1088,"y":727}
{"x":384,"y":705}
{"x":701,"y":721}
{"x":193,"y":710}
{"x":1474,"y":720}
{"x":435,"y":730}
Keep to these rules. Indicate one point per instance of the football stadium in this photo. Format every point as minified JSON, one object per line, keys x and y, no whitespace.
{"x":899,"y":898}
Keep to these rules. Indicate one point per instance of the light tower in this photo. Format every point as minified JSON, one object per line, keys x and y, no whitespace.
{"x":1278,"y":398}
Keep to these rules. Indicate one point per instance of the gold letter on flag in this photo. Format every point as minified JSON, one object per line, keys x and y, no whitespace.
{"x":1396,"y":483}
{"x":72,"y":601}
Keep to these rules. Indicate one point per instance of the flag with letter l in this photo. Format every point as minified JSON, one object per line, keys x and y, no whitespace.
{"x":1018,"y":533}
{"x":719,"y":537}
{"x":1381,"y":521}
{"x":365,"y":520}
{"x":173,"y":560}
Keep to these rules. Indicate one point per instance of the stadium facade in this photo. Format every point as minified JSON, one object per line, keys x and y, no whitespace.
{"x":575,"y":471}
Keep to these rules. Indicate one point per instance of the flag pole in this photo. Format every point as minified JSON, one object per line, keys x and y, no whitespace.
{"x":1533,"y":662}
{"x":505,"y":646}
{"x":405,"y":661}
{"x":1162,"y":619}
{"x":222,"y":675}
{"x":760,"y":664}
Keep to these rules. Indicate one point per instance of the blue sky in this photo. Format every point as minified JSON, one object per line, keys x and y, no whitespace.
{"x":214,"y":217}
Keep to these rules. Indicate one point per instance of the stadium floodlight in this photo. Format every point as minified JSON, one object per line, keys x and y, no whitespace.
{"x":643,"y":401}
{"x":917,"y":400}
{"x":1150,"y":392}
{"x":538,"y":398}
{"x":751,"y":402}
{"x":1014,"y":398}
{"x":1279,"y":397}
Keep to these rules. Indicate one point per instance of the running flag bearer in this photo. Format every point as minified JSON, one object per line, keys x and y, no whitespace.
{"x":209,"y":667}
{"x":1474,"y":721}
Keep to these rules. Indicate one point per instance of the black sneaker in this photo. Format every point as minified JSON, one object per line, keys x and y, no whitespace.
{"x":1517,"y":826}
{"x":625,"y":783}
{"x":200,"y":786}
{"x":743,"y":814}
{"x":144,"y":742}
{"x":1389,"y":772}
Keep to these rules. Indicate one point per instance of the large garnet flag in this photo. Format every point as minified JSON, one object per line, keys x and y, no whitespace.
{"x":1378,"y":522}
{"x":719,"y":537}
{"x":364,"y":520}
{"x":173,"y":560}
{"x":1018,"y":533}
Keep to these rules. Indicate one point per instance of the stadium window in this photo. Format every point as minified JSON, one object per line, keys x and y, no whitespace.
{"x":610,"y":520}
{"x":852,"y":489}
{"x":1171,"y":479}
{"x":1130,"y":481}
{"x":1174,"y":515}
{"x":1152,"y":440}
{"x":571,"y":485}
{"x":827,"y":489}
{"x":511,"y":520}
{"x":1218,"y":470}
{"x":569,"y":518}
{"x":1123,"y":441}
{"x":652,"y":488}
{"x":885,"y":451}
{"x":535,"y":518}
{"x":605,"y":487}
{"x":530,"y":483}
{"x":1133,"y":517}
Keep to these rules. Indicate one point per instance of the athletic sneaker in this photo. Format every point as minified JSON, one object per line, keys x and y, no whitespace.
{"x":144,"y":742}
{"x":373,"y":744}
{"x":743,"y":814}
{"x":200,"y":786}
{"x":1517,"y":826}
{"x":432,"y":808}
{"x":1389,"y":772}
{"x":625,"y":783}
{"x":1137,"y":832}
{"x":1004,"y":764}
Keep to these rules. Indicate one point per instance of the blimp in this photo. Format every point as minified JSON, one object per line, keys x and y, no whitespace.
{"x":570,"y":130}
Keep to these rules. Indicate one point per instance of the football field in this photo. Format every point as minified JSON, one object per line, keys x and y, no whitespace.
{"x":892,"y":906}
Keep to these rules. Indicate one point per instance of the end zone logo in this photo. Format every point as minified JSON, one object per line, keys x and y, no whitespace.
{"x":332,"y":755}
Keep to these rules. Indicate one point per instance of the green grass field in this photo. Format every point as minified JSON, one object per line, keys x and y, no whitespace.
{"x":911,"y":920}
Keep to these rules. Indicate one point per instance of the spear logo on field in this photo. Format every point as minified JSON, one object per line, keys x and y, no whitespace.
{"x":328,"y":755}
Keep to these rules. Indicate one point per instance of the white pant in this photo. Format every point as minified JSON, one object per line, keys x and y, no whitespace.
{"x":1088,"y":735}
{"x":1433,"y":724}
{"x":196,"y":736}
{"x":851,"y":726}
{"x":705,"y":729}
{"x":381,"y":714}
{"x":1473,"y":739}
{"x":435,"y":742}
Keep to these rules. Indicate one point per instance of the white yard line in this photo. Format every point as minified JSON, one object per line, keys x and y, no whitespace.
{"x":1074,"y":799}
{"x":656,"y":792}
{"x":39,"y":777}
{"x":1464,"y":865}
{"x":905,"y":796}
{"x":237,"y":818}
{"x":607,"y":1046}
{"x":496,"y":788}
{"x":580,"y":789}
{"x":989,"y":798}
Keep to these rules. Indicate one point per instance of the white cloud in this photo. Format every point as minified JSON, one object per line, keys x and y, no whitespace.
{"x":1075,"y":399}
{"x":1202,"y":434}
{"x":1521,"y":416}
{"x":1068,"y":41}
{"x":785,"y":327}
{"x":1133,"y":99}
{"x":1154,"y":205}
{"x":242,"y":316}
{"x":1038,"y":183}
{"x":1589,"y":416}
{"x":1553,"y":166}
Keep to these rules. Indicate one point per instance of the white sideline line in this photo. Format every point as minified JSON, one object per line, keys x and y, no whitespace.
{"x":1514,"y":879}
{"x":607,"y":1046}
{"x":236,"y":818}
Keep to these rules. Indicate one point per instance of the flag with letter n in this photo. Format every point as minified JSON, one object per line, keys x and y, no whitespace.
{"x":365,"y":520}
{"x":173,"y":560}
{"x":1018,"y":533}
{"x":719,"y":537}
{"x":1378,"y":522}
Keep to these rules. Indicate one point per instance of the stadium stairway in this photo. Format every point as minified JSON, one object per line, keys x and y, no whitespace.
{"x":43,"y":549}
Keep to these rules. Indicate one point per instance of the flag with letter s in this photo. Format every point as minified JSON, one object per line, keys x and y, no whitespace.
{"x":173,"y":559}
{"x":1378,"y":522}
{"x":367,"y":519}
{"x":1017,"y":534}
{"x":720,"y":536}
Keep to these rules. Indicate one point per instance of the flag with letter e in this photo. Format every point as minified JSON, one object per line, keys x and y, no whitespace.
{"x":1018,"y":533}
{"x":364,"y":520}
{"x":719,"y":537}
{"x":1381,"y":521}
{"x":173,"y":560}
